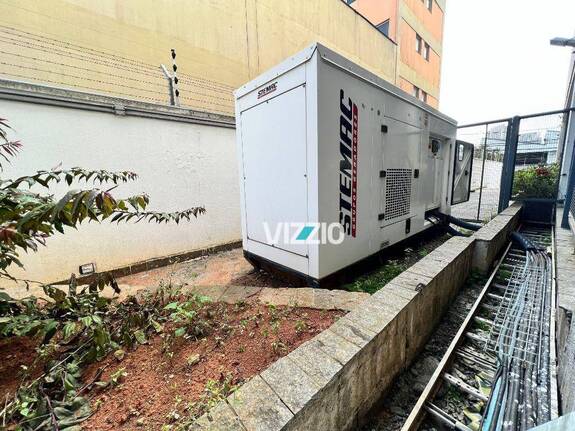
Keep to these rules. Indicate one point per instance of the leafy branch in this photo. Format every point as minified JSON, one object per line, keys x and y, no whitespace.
{"x":76,"y":329}
{"x":8,"y":149}
{"x":44,"y":178}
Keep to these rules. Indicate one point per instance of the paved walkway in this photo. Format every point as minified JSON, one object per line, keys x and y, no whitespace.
{"x":565,"y":261}
{"x":489,"y":193}
{"x":228,"y":277}
{"x":565,"y":274}
{"x":322,"y":299}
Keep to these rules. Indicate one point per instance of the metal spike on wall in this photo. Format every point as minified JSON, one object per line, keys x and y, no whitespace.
{"x":175,"y":79}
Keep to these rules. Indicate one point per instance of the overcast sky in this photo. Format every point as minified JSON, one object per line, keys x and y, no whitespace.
{"x":497,"y":61}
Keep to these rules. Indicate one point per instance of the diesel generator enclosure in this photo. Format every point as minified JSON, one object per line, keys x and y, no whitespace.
{"x":336,"y":164}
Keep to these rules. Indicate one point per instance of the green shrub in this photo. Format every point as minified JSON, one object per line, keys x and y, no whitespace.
{"x":536,"y":182}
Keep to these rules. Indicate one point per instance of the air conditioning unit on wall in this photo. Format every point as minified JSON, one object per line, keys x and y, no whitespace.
{"x":336,"y":164}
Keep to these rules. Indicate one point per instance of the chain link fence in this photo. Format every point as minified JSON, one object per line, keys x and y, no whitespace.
{"x":488,"y":140}
{"x":517,"y":158}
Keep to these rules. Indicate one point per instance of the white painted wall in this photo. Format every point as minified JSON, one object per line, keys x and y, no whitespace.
{"x":180,"y":165}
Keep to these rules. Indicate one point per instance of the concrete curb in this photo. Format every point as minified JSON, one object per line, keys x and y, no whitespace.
{"x":307,"y":297}
{"x":491,"y":238}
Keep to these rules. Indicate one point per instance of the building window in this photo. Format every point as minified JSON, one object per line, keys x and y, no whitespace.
{"x":429,"y":4}
{"x":418,"y":43}
{"x":384,"y":27}
{"x":423,"y":96}
{"x":349,"y":1}
{"x":415,"y":92}
{"x":426,"y":50}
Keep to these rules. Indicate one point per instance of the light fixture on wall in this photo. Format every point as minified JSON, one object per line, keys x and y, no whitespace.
{"x":87,"y":268}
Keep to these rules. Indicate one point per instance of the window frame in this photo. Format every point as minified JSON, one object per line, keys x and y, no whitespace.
{"x":382,"y":23}
{"x":426,"y":51}
{"x":429,"y":5}
{"x":418,"y":43}
{"x":415,"y":91}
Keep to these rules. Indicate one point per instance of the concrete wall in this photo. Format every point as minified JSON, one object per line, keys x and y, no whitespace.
{"x":180,"y":165}
{"x":220,"y":44}
{"x":492,"y":238}
{"x":565,"y":274}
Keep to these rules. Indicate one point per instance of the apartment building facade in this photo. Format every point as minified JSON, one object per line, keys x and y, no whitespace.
{"x":417,"y":28}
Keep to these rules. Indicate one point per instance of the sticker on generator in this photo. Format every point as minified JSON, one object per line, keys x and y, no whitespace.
{"x":348,"y":134}
{"x":268,"y":89}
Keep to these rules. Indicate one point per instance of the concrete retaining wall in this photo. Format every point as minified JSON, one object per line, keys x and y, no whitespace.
{"x":490,"y":239}
{"x":332,"y":381}
{"x":565,"y":274}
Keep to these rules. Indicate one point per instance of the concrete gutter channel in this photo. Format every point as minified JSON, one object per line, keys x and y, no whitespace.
{"x":334,"y":380}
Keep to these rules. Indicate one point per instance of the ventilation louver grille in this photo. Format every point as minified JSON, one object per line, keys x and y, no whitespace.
{"x":397,"y":193}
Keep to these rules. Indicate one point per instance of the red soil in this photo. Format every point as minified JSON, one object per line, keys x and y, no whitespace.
{"x":159,"y":386}
{"x":16,"y":353}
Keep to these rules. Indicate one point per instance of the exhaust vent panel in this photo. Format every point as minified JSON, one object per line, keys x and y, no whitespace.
{"x":397,"y":193}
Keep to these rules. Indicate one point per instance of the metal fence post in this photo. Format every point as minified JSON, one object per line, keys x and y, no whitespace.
{"x":170,"y":85}
{"x":175,"y":79}
{"x":508,"y":168}
{"x":482,"y":171}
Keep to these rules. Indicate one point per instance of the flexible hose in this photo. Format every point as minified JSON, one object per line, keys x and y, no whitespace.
{"x":454,"y":232}
{"x":458,"y":222}
{"x":523,"y":242}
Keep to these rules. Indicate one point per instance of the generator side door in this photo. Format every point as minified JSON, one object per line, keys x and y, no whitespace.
{"x":462,"y":166}
{"x":275,"y":169}
{"x":400,"y":175}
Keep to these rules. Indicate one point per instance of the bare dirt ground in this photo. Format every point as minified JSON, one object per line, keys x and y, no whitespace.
{"x":169,"y":381}
{"x":16,"y":357}
{"x":231,"y":268}
{"x":219,"y":269}
{"x":163,"y":384}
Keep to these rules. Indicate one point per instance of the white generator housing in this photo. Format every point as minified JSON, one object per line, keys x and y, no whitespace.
{"x":326,"y":147}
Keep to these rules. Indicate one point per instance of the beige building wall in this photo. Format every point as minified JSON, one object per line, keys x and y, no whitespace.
{"x":116,"y":46}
